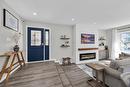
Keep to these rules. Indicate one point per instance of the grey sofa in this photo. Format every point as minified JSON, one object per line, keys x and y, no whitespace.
{"x":114,"y":71}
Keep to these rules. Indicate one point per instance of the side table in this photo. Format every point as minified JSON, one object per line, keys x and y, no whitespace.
{"x":66,"y":61}
{"x":97,"y":68}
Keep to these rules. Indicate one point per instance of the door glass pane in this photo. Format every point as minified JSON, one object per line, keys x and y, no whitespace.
{"x":35,"y":38}
{"x":46,"y":37}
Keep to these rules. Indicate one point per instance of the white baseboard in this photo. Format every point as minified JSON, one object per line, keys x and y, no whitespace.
{"x":46,"y":61}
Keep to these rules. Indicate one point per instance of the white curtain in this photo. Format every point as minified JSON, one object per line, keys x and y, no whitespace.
{"x":115,"y":50}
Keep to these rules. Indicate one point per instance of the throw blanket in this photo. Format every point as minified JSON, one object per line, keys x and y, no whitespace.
{"x":126,"y":78}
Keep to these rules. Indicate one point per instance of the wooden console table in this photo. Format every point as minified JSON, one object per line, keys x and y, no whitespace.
{"x":13,"y":60}
{"x":97,"y":69}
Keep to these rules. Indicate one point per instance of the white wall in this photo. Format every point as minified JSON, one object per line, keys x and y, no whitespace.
{"x":6,"y":34}
{"x":102,"y":33}
{"x":109,"y":40}
{"x":56,"y":31}
{"x":74,"y":44}
{"x":84,"y":28}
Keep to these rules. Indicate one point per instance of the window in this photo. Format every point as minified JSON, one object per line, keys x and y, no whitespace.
{"x":46,"y":37}
{"x":35,"y":38}
{"x":125,"y":41}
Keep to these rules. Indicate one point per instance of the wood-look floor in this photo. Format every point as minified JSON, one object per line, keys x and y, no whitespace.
{"x":48,"y":74}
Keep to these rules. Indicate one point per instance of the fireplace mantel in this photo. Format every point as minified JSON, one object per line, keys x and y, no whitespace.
{"x":81,"y":49}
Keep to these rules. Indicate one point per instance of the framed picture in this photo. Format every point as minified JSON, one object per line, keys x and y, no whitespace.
{"x":87,"y":38}
{"x":10,"y":21}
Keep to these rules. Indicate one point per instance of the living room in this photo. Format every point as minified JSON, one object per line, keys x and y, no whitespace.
{"x":89,"y":37}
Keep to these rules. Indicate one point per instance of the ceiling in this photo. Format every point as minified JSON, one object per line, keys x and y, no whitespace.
{"x":100,"y":13}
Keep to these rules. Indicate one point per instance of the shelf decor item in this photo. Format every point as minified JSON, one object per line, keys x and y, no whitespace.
{"x":102,"y":41}
{"x":63,"y":45}
{"x":106,"y":47}
{"x":16,"y":39}
{"x":87,"y":38}
{"x":101,"y":38}
{"x":66,"y":61}
{"x":65,"y":41}
{"x":16,"y":48}
{"x":10,"y":21}
{"x":63,"y":37}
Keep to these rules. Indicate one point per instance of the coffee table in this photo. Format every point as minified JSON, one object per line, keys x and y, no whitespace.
{"x":97,"y":68}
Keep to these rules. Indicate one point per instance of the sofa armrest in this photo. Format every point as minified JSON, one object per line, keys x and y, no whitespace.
{"x":112,"y":72}
{"x":126,"y":78}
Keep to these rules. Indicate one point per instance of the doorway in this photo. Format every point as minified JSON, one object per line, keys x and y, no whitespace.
{"x":38,"y":44}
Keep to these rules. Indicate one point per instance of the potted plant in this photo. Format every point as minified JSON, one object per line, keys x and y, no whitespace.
{"x":16,"y":38}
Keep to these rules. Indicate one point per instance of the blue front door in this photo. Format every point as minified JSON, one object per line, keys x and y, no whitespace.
{"x":37,"y":44}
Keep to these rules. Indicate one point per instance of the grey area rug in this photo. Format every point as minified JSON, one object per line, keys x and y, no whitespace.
{"x":88,"y":70}
{"x":76,"y":77}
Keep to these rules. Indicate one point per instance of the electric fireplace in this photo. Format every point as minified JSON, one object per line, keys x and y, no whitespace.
{"x":87,"y":56}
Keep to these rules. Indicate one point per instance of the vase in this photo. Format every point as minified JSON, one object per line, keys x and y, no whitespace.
{"x":16,"y":48}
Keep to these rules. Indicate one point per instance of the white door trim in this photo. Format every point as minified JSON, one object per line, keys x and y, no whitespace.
{"x":26,"y":59}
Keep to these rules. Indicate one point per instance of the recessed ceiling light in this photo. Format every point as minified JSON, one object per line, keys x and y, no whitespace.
{"x":73,"y":19}
{"x":94,"y":23}
{"x":34,"y":13}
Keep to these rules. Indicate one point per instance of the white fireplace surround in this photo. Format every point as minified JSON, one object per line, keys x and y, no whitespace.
{"x":78,"y":30}
{"x":86,"y":61}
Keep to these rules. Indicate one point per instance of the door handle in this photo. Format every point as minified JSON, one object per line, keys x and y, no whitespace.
{"x":42,"y":43}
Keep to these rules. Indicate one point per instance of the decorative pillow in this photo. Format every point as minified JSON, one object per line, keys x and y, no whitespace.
{"x":114,"y":65}
{"x":121,"y":65}
{"x":124,"y":55}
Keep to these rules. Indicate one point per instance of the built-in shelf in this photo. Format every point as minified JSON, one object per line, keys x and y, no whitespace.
{"x":101,"y":39}
{"x":81,"y":49}
{"x":64,"y":38}
{"x":65,"y":46}
{"x":65,"y":41}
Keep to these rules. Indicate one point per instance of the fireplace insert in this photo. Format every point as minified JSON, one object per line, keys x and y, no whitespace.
{"x":87,"y":56}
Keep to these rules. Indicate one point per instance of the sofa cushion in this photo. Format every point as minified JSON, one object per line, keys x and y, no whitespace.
{"x":114,"y":73}
{"x":123,"y":62}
